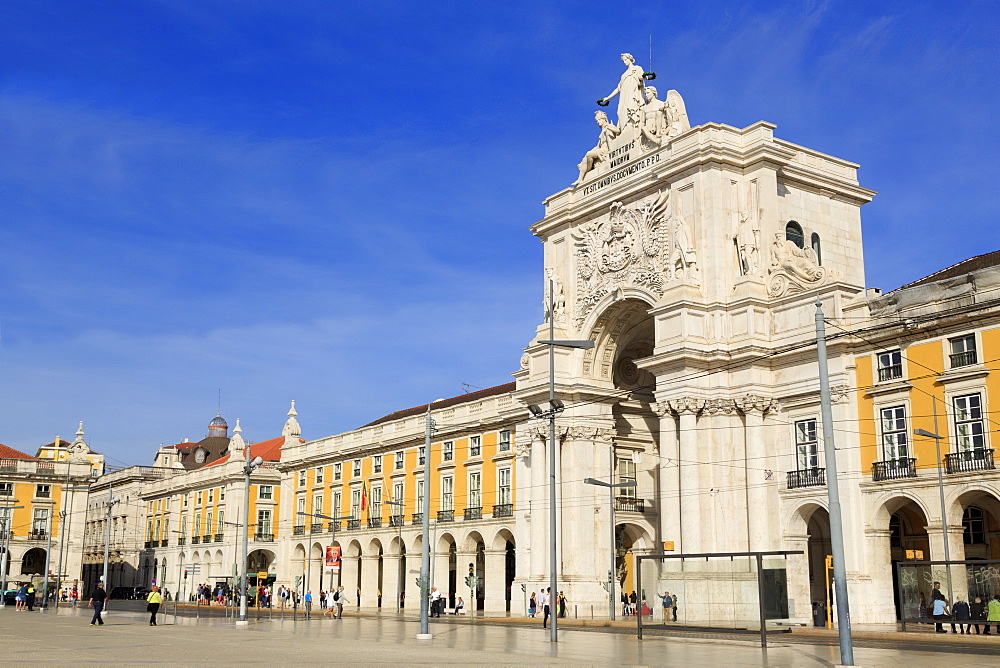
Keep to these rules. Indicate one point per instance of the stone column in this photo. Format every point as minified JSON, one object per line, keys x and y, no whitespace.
{"x":538,"y":508}
{"x":369,"y":582}
{"x":754,"y":408}
{"x":880,"y":602}
{"x":496,"y":585}
{"x":690,"y":479}
{"x":349,"y":578}
{"x":956,"y":549}
{"x":462,"y":561}
{"x":390,"y":581}
{"x":797,"y":571}
{"x":439,"y":571}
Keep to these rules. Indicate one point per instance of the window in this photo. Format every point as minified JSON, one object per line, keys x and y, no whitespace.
{"x":814,"y":242}
{"x":420,"y":496}
{"x":156,"y":532}
{"x":264,"y":521}
{"x":186,"y":500}
{"x":222,"y":493}
{"x":475,"y":489}
{"x":397,"y":495}
{"x":894,"y":444}
{"x":197,"y":525}
{"x":265,"y":492}
{"x":319,"y":475}
{"x":336,"y":504}
{"x":806,"y":445}
{"x":300,"y":510}
{"x":475,"y":444}
{"x":149,"y":530}
{"x":221,"y":522}
{"x":449,"y":451}
{"x":421,"y":455}
{"x":447,"y":493}
{"x":184,"y":520}
{"x":398,"y":460}
{"x":211,"y":496}
{"x":793,"y":233}
{"x":4,"y":521}
{"x":208,"y":523}
{"x":974,"y":525}
{"x":377,"y":463}
{"x":969,"y":422}
{"x":338,"y":470}
{"x":963,"y":350}
{"x":6,"y":489}
{"x":198,"y":502}
{"x":504,"y":444}
{"x":357,"y":468}
{"x":376,"y":509}
{"x":626,"y":473}
{"x":39,"y":521}
{"x":503,"y":491}
{"x":302,"y":478}
{"x":356,"y":503}
{"x":890,"y":365}
{"x":318,"y":504}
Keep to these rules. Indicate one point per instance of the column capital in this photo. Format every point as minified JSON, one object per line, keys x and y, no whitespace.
{"x":755,"y":403}
{"x":681,"y":405}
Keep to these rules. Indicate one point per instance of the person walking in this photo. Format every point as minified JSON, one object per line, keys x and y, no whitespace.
{"x":435,"y":602}
{"x":977,"y":611}
{"x":341,"y":600}
{"x":993,"y":613}
{"x":673,"y":607}
{"x":962,"y":614}
{"x":309,"y":603}
{"x":75,"y":596}
{"x":562,"y":604}
{"x":31,"y":597}
{"x":153,"y":603}
{"x":97,"y":599}
{"x":21,"y":598}
{"x":546,"y":601}
{"x":532,"y":605}
{"x":668,"y":602}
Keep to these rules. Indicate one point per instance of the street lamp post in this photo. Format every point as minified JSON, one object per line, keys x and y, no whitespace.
{"x":248,"y":468}
{"x":612,"y":486}
{"x":555,"y":406}
{"x":940,"y":474}
{"x":425,"y":525}
{"x":399,"y":547}
{"x":63,"y":514}
{"x":6,"y":549}
{"x":334,"y":521}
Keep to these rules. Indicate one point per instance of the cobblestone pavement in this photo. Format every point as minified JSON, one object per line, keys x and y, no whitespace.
{"x":64,"y":637}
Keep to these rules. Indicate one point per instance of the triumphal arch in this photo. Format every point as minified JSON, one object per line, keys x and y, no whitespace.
{"x":692,"y":255}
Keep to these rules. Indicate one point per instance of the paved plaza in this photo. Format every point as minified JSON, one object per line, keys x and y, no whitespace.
{"x":65,"y":637}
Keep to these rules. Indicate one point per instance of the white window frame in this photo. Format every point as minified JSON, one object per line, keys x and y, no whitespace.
{"x":265,"y":492}
{"x":376,"y":501}
{"x":504,"y":490}
{"x":962,"y":345}
{"x":43,"y":491}
{"x":420,"y":496}
{"x":356,"y":468}
{"x":338,"y":471}
{"x":448,"y":451}
{"x":889,"y":365}
{"x":356,"y":503}
{"x":264,"y":521}
{"x":970,"y":428}
{"x":447,"y":492}
{"x":806,"y":435}
{"x":421,"y":455}
{"x":377,"y":464}
{"x":626,"y":473}
{"x":399,"y":460}
{"x":895,"y":437}
{"x":475,"y":446}
{"x":398,"y":491}
{"x":319,"y":475}
{"x":475,"y":489}
{"x":317,"y":506}
{"x":503,"y":440}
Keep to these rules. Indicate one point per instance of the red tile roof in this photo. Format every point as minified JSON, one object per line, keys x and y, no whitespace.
{"x":445,"y":403}
{"x":269,"y":451}
{"x":984,"y":261}
{"x":11,"y":453}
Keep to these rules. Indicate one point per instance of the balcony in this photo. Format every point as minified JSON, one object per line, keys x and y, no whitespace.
{"x":395,"y":521}
{"x":37,"y":534}
{"x":446,"y":516}
{"x":418,"y":518}
{"x":894,"y":469}
{"x":182,"y":541}
{"x":316,"y":527}
{"x":374,"y":522}
{"x":334,"y":526}
{"x":264,"y":537}
{"x":978,"y":459}
{"x":148,"y":544}
{"x":629,"y":504}
{"x":218,"y":538}
{"x":891,"y":372}
{"x":206,"y":538}
{"x":963,"y":359}
{"x":353,"y":524}
{"x":163,"y":543}
{"x":6,"y":535}
{"x":298,"y":529}
{"x":474,"y":513}
{"x":195,"y":540}
{"x":814,"y":477}
{"x":503,"y":510}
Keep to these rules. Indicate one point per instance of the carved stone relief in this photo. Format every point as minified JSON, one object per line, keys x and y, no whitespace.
{"x":794,"y":269}
{"x":751,"y":403}
{"x":747,"y":233}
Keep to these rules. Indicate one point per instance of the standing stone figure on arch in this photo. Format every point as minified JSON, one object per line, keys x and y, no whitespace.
{"x":630,"y":96}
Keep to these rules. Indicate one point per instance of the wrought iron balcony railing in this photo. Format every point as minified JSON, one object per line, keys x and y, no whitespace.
{"x":218,"y":538}
{"x":977,"y":459}
{"x":814,"y":477}
{"x":298,"y":530}
{"x":446,"y":516}
{"x":374,"y":522}
{"x":503,"y":510}
{"x":182,"y":541}
{"x":195,"y":540}
{"x":395,"y":521}
{"x":963,"y":359}
{"x":891,"y":372}
{"x":894,"y":469}
{"x":334,"y":526}
{"x":474,"y":513}
{"x":353,"y":524}
{"x":630,"y":504}
{"x":316,"y":527}
{"x":264,"y":537}
{"x":418,"y":518}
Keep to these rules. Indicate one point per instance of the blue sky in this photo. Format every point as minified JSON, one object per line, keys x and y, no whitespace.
{"x":328,"y":201}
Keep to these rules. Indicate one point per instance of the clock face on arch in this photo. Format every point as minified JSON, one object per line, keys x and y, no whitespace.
{"x":199,"y":456}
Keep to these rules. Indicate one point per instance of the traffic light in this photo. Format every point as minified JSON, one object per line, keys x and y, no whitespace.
{"x":185,"y":575}
{"x":472,"y":569}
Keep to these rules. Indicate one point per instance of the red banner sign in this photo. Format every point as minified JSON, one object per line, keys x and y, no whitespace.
{"x":333,"y":557}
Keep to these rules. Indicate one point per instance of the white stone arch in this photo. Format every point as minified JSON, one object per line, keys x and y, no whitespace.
{"x":394,"y":545}
{"x":640,"y":534}
{"x":318,"y":550}
{"x":982,"y":494}
{"x":615,"y":329}
{"x":500,"y":538}
{"x":889,"y":502}
{"x":470,"y":542}
{"x":796,"y":519}
{"x":219,"y":561}
{"x":353,"y":549}
{"x":444,"y":542}
{"x":374,"y":545}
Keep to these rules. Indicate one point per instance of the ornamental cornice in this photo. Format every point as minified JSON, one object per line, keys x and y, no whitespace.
{"x":755,"y":403}
{"x":681,"y":405}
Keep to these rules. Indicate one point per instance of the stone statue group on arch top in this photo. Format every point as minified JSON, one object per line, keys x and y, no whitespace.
{"x":641,"y":116}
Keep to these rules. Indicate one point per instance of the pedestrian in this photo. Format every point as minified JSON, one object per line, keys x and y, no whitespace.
{"x":435,"y":602}
{"x":340,"y":600}
{"x":667,"y":603}
{"x":993,"y":613}
{"x":153,"y":603}
{"x":459,"y":605}
{"x":309,"y":603}
{"x":97,"y":600}
{"x":546,"y":600}
{"x":977,"y":611}
{"x":21,"y":598}
{"x":562,"y":604}
{"x":75,"y":596}
{"x":624,"y":604}
{"x":673,"y":607}
{"x":922,"y":608}
{"x":939,"y":610}
{"x":962,"y":614}
{"x":532,"y":605}
{"x":31,"y":597}
{"x":322,"y":600}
